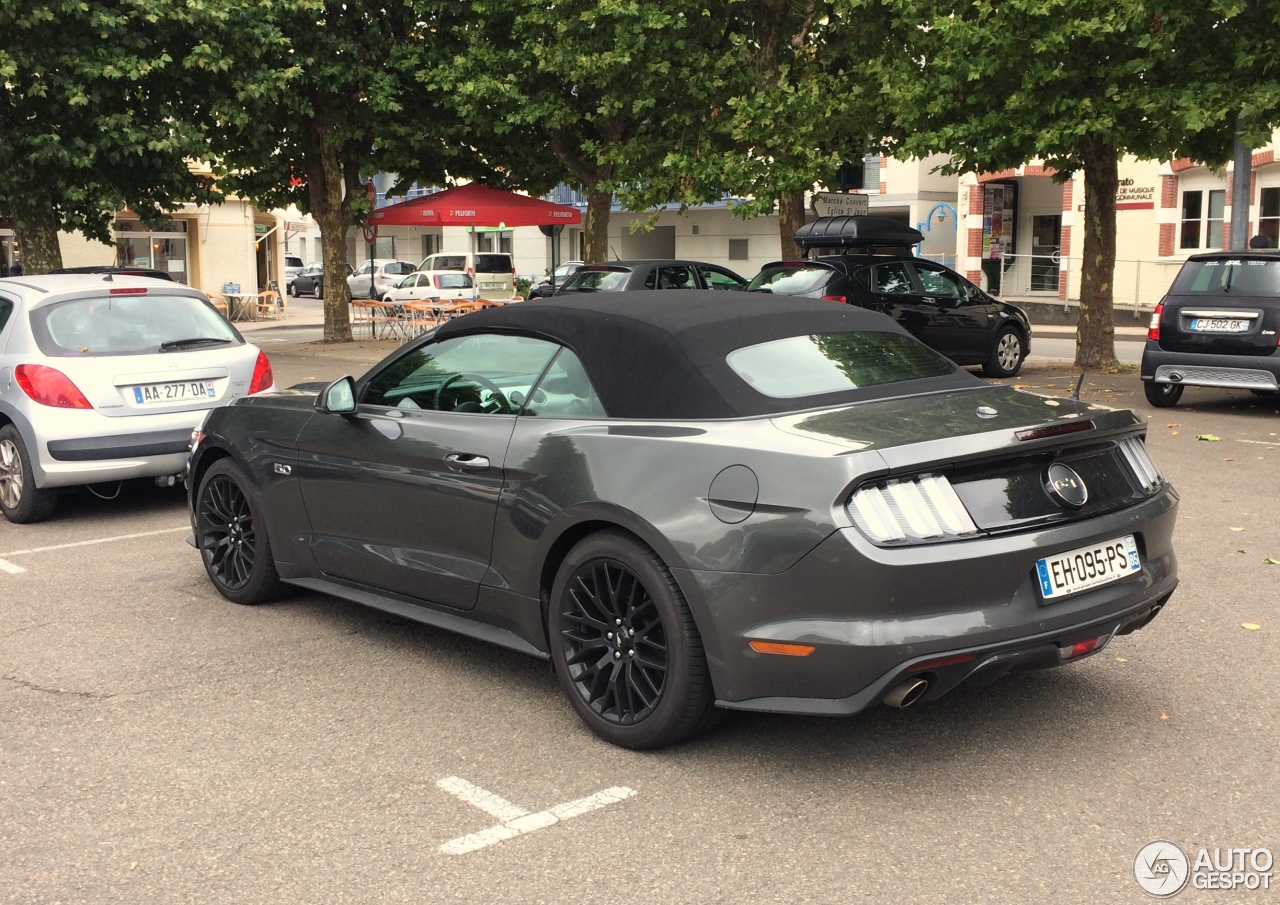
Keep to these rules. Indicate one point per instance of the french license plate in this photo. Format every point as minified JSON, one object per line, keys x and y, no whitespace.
{"x":161,"y":393}
{"x":1219,"y":325}
{"x":1087,"y":567}
{"x":490,"y":285}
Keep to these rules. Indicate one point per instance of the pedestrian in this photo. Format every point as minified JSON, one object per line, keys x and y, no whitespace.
{"x":1262,"y":240}
{"x":15,"y":270}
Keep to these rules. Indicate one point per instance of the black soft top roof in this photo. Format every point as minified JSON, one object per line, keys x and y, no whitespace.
{"x":661,"y":354}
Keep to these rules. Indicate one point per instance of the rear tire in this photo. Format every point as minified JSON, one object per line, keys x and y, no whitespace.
{"x":1008,"y":353}
{"x":231,"y":535}
{"x":1162,"y":395}
{"x":317,"y":291}
{"x":625,"y":647}
{"x":20,"y":500}
{"x":293,"y":290}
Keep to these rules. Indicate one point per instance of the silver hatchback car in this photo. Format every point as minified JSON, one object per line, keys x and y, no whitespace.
{"x":104,"y":378}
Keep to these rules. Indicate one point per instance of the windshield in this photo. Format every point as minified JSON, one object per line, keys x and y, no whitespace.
{"x":126,"y":325}
{"x":597,"y":279}
{"x":791,"y":279}
{"x":1229,"y":276}
{"x":834,"y":362}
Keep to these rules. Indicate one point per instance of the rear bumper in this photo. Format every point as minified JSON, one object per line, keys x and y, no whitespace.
{"x":873,"y":614}
{"x":83,"y":447}
{"x":1245,"y":372}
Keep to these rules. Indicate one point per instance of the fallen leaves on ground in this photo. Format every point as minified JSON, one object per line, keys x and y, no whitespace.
{"x":1210,"y":437}
{"x":1237,"y":529}
{"x":1251,"y":626}
{"x":1272,"y":561}
{"x":1163,"y":715}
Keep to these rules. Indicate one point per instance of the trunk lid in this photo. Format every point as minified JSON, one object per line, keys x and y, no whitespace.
{"x":1223,"y":305}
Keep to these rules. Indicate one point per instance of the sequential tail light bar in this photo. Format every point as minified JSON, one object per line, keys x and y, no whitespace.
{"x":922,"y":508}
{"x":1140,"y":463}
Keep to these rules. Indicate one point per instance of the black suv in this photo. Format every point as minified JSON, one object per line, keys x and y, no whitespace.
{"x":1218,"y":326}
{"x":873,"y":266}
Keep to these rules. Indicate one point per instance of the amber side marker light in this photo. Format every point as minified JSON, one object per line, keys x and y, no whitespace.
{"x":787,"y":650}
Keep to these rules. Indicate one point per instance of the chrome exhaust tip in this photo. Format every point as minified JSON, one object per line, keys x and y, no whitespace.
{"x":906,"y":693}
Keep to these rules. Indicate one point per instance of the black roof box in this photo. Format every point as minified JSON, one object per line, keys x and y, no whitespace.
{"x":856,"y":232}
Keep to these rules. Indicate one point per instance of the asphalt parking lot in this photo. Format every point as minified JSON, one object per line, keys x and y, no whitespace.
{"x":159,"y":744}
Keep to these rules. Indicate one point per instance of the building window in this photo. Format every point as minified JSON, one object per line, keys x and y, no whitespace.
{"x":494,"y":240}
{"x":431,"y":245}
{"x":738,"y":250}
{"x":1202,"y":219}
{"x":1269,"y":215}
{"x":162,"y":248}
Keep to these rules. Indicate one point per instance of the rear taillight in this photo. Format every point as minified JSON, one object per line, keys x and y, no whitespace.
{"x":835,"y":298}
{"x":1153,"y":328}
{"x":435,"y":280}
{"x":922,"y":508}
{"x":263,"y":379}
{"x":49,"y":386}
{"x":1140,"y":463}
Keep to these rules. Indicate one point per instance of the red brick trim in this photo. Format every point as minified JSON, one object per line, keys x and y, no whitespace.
{"x":1066,"y":241}
{"x":1068,"y":195}
{"x":992,"y":177}
{"x":975,"y":243}
{"x":884,"y":188}
{"x":1166,"y":240}
{"x":1035,"y":169}
{"x":974,"y":277}
{"x":1263,"y":158}
{"x":1168,"y":192}
{"x":1184,"y":163}
{"x":1062,"y":285}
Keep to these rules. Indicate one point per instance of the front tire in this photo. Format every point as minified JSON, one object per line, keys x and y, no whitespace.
{"x":316,"y":290}
{"x":1162,"y":395}
{"x":232,"y":537}
{"x":293,"y":290}
{"x":20,"y":500}
{"x":1008,"y":353}
{"x":625,"y":646}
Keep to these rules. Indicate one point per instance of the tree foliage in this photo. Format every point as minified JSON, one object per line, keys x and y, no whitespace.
{"x":89,"y":117}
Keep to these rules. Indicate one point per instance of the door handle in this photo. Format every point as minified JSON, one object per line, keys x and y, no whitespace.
{"x":467,"y":460}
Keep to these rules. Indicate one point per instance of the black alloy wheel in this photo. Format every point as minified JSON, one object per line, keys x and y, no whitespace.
{"x":20,"y":500}
{"x":233,"y":542}
{"x":1162,"y":395}
{"x":1007,"y":354}
{"x":625,"y":646}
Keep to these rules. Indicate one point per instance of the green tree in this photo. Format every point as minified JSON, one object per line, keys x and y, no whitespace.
{"x":791,"y":97}
{"x":1076,"y":83}
{"x":600,"y":87}
{"x":89,"y":118}
{"x":308,"y":96}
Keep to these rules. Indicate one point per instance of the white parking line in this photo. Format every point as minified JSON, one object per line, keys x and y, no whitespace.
{"x":12,"y":569}
{"x":516,"y":821}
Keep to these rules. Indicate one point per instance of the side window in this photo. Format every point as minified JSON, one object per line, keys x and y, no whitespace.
{"x":940,"y":283}
{"x":651,"y":280}
{"x":676,"y":277}
{"x":862,"y":277}
{"x":6,"y":309}
{"x":893,"y":279}
{"x":479,"y":373}
{"x":718,"y":280}
{"x":364,"y":268}
{"x":565,"y":392}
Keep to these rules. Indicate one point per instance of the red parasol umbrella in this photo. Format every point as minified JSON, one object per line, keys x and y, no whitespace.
{"x":475,"y":205}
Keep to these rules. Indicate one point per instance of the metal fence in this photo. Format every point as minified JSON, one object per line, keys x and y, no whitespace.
{"x":1138,"y":283}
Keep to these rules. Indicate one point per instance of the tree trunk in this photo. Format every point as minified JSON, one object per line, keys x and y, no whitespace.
{"x":35,"y":229}
{"x":596,"y":226}
{"x":1096,"y":333}
{"x":790,"y":218}
{"x":332,"y":213}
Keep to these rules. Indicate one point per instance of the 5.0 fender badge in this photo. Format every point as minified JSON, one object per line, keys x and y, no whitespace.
{"x":1065,"y":487}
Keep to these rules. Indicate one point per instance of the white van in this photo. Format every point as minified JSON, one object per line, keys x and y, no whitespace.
{"x":494,"y":272}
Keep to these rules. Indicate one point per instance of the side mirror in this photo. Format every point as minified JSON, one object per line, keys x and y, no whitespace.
{"x":338,"y":398}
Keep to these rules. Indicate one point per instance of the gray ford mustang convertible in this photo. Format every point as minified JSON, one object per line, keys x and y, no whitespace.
{"x":691,"y":500}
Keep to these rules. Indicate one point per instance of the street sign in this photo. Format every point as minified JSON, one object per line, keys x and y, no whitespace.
{"x":840,"y":204}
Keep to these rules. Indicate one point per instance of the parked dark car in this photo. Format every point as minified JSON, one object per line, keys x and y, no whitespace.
{"x":626,"y":276}
{"x":545,"y":288}
{"x":1218,"y":326}
{"x":310,"y":281}
{"x":129,"y":271}
{"x":698,"y":499}
{"x":877,"y":269}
